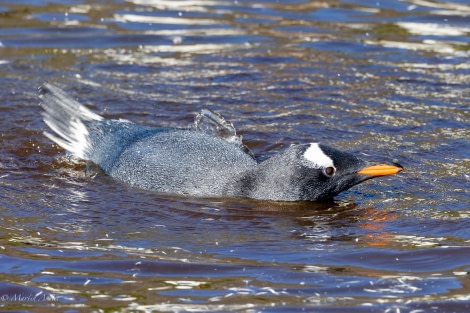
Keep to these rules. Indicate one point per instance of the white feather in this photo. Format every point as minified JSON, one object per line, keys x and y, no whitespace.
{"x":315,"y":155}
{"x":65,"y":117}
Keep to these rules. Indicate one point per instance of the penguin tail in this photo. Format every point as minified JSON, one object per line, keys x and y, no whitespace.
{"x":67,"y":119}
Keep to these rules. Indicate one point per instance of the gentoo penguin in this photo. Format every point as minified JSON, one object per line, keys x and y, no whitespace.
{"x":197,"y":162}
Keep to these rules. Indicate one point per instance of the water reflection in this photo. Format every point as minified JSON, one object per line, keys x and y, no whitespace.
{"x":124,"y":18}
{"x":447,"y":7}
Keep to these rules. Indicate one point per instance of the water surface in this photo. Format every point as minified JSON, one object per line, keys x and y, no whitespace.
{"x":387,"y":80}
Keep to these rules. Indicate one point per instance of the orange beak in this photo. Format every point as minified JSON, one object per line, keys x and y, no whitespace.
{"x":380,"y":170}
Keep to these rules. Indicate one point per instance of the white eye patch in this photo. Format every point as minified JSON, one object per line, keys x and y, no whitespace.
{"x":315,"y":155}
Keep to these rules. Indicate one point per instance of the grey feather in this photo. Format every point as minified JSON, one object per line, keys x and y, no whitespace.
{"x":209,"y":160}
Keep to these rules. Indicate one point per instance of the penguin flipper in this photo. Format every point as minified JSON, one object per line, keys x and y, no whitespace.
{"x":212,"y":123}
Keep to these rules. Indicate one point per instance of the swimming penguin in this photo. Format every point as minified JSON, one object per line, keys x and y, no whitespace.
{"x":200,"y":162}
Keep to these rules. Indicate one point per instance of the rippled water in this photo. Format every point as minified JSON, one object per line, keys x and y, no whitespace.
{"x":387,"y":80}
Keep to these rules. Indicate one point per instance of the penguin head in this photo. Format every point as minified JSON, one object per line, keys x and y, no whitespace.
{"x":325,"y":171}
{"x":311,"y":172}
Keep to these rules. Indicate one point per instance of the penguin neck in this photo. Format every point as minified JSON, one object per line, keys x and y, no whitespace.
{"x":272,"y":179}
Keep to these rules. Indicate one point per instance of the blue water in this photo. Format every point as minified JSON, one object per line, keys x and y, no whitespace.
{"x":386,"y":80}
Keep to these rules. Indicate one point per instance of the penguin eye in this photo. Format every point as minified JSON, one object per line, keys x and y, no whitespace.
{"x":329,"y":171}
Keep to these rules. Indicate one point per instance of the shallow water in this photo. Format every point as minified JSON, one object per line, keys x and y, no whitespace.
{"x":387,"y":80}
